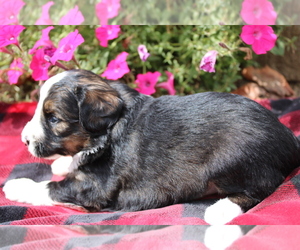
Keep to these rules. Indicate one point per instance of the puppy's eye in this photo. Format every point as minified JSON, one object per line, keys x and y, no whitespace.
{"x":53,"y":119}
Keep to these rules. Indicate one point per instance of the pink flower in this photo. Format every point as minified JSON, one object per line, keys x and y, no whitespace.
{"x":44,"y":41}
{"x":146,"y":82}
{"x":45,"y":18}
{"x":9,"y":11}
{"x":5,"y":50}
{"x":208,"y":61}
{"x":261,"y":37}
{"x":49,"y":51}
{"x":67,"y":46}
{"x":102,"y":13}
{"x":258,"y":12}
{"x":107,"y":32}
{"x":73,"y":17}
{"x":9,"y":34}
{"x":107,"y":9}
{"x":113,"y":7}
{"x":117,"y":68}
{"x":39,"y":66}
{"x":169,"y":84}
{"x":15,"y":71}
{"x":143,"y":52}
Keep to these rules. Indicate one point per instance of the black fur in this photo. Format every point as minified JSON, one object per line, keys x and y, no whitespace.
{"x":154,"y":152}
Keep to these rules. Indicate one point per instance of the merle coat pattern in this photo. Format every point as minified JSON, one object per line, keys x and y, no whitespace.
{"x":153,"y":152}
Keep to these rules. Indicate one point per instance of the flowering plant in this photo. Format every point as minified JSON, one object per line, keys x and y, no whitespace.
{"x":170,"y":55}
{"x":121,"y":48}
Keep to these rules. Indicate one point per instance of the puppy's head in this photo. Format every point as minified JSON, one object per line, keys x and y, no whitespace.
{"x":76,"y":107}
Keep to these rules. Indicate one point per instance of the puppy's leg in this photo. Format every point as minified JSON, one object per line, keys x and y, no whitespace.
{"x":78,"y":190}
{"x":27,"y":191}
{"x":61,"y":165}
{"x":225,"y":210}
{"x":66,"y":164}
{"x":36,"y":193}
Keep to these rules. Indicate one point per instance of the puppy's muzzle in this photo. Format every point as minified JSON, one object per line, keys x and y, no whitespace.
{"x":27,"y":135}
{"x":26,"y":141}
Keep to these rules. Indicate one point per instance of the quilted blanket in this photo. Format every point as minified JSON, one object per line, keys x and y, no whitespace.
{"x":280,"y":208}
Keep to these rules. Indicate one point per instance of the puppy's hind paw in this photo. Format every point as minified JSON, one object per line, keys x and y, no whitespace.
{"x":222,"y":236}
{"x":222,"y":212}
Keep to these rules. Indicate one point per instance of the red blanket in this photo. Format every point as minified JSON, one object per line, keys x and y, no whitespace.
{"x":183,"y":237}
{"x":282,"y":207}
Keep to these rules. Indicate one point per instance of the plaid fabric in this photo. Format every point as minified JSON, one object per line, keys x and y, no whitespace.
{"x":280,"y":208}
{"x":181,"y":237}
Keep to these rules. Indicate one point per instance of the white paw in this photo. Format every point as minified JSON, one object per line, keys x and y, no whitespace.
{"x":27,"y":191}
{"x":61,"y":166}
{"x":222,"y":236}
{"x":222,"y":212}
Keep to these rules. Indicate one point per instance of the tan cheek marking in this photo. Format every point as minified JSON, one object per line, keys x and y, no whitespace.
{"x":74,"y":143}
{"x":60,"y":128}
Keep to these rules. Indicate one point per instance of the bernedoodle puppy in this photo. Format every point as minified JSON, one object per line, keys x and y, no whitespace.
{"x":133,"y":152}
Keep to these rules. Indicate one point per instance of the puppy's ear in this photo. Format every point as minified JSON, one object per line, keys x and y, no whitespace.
{"x":99,"y":106}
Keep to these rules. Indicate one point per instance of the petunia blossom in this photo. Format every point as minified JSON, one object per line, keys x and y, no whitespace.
{"x":9,"y":11}
{"x":146,"y":82}
{"x":67,"y":46}
{"x":261,"y":37}
{"x":143,"y":52}
{"x":15,"y":71}
{"x":113,"y":7}
{"x":73,"y":17}
{"x":258,"y":12}
{"x":107,"y":32}
{"x":169,"y":84}
{"x":208,"y":61}
{"x":45,"y":17}
{"x":9,"y":34}
{"x":107,"y":9}
{"x":5,"y":50}
{"x":102,"y":13}
{"x":39,"y":66}
{"x":44,"y":41}
{"x":49,"y":51}
{"x":117,"y":68}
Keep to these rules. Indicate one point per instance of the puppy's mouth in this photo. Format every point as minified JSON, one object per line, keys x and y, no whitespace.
{"x":40,"y":150}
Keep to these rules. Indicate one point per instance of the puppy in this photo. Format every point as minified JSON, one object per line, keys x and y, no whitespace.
{"x":134,"y":152}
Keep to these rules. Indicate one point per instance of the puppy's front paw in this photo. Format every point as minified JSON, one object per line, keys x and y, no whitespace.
{"x":222,"y":212}
{"x":27,"y":191}
{"x":61,"y":165}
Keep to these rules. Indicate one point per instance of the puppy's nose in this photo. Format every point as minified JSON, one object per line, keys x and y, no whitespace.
{"x":26,"y":141}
